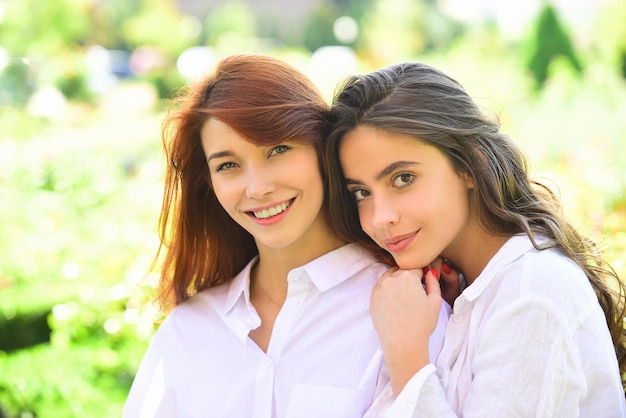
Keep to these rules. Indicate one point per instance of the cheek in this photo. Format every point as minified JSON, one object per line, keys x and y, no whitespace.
{"x":223,"y":193}
{"x":307,"y":171}
{"x":365,"y":217}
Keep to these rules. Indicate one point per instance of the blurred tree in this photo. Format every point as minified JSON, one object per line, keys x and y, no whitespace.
{"x":318,"y":29}
{"x":610,"y":34}
{"x":233,"y":18}
{"x":392,"y":30}
{"x":74,"y":87}
{"x":107,"y":18}
{"x":16,"y":83}
{"x":32,"y":28}
{"x":52,"y":36}
{"x":354,"y":9}
{"x":441,"y":30}
{"x":549,"y":40}
{"x":158,"y":23}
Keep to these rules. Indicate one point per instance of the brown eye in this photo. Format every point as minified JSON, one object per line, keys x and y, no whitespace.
{"x":359,"y":194}
{"x":403,"y":179}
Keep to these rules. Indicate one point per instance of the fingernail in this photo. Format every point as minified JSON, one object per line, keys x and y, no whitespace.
{"x":446,"y":268}
{"x":435,"y":273}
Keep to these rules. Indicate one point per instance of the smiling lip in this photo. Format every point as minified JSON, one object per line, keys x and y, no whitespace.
{"x":399,"y":242}
{"x":270,"y":214}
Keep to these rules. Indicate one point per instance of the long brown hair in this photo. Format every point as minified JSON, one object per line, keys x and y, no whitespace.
{"x":420,"y":101}
{"x":265,"y":100}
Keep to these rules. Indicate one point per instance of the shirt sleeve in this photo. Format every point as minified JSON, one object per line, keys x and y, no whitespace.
{"x":526,"y":363}
{"x":381,"y":407}
{"x":422,"y":396}
{"x":529,"y":348}
{"x":149,"y":396}
{"x":435,"y":342}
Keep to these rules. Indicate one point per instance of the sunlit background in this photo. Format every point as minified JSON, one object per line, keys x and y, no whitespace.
{"x":84,"y":86}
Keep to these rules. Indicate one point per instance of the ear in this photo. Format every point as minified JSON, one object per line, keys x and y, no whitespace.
{"x":468,"y":180}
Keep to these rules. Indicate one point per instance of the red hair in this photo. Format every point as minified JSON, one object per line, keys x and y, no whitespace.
{"x":264,"y":100}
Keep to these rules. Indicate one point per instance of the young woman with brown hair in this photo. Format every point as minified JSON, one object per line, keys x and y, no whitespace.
{"x":270,"y":307}
{"x":417,"y":169}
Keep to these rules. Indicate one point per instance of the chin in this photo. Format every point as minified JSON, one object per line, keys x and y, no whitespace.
{"x":408,"y":264}
{"x":410,"y":267}
{"x":413,"y":260}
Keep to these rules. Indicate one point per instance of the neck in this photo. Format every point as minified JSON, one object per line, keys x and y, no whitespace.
{"x":473,"y":251}
{"x":270,"y":273}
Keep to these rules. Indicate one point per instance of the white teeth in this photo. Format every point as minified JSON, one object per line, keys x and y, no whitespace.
{"x":266,"y":213}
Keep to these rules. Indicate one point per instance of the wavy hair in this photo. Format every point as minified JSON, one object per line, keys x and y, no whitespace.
{"x":266,"y":101}
{"x":420,"y":101}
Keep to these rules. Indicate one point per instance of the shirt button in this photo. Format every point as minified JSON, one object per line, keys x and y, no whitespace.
{"x":295,"y":302}
{"x":457,"y":318}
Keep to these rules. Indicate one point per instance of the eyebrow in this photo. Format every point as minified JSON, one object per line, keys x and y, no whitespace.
{"x":385,"y":171}
{"x":219,"y":155}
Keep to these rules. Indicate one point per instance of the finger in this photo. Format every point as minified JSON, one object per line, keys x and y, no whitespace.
{"x":410,"y":274}
{"x":389,"y":272}
{"x":450,"y":283}
{"x":437,"y":263}
{"x":432,"y":283}
{"x":393,"y":269}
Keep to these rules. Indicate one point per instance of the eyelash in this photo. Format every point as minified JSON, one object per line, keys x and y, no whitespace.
{"x":277,"y":150}
{"x":225,"y":166}
{"x":400,"y":176}
{"x":354,"y":192}
{"x":407,"y":179}
{"x":284,"y":148}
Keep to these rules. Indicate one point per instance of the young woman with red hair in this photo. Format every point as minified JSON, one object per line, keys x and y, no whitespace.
{"x":270,"y":310}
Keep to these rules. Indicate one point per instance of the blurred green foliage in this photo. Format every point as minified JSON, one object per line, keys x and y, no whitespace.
{"x":394,"y":28}
{"x":80,"y":185}
{"x":16,"y":84}
{"x":610,"y":35}
{"x":42,"y":29}
{"x":318,"y":29}
{"x":548,"y":42}
{"x":79,"y":207}
{"x":233,"y":18}
{"x":158,"y":23}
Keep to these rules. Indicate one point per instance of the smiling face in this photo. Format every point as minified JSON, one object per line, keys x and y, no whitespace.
{"x":410,"y":199}
{"x":275,"y":192}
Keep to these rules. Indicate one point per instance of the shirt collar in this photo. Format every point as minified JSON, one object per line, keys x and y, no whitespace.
{"x":337,"y":266}
{"x":232,"y":300}
{"x":326,"y":272}
{"x":240,"y":287}
{"x":514,"y":248}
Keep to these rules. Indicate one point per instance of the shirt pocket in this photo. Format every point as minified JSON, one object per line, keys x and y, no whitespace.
{"x":314,"y":401}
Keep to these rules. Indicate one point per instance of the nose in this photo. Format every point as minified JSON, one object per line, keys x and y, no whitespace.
{"x":260,"y":182}
{"x":384,"y":213}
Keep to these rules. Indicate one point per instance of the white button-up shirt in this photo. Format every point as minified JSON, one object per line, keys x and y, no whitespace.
{"x":527,"y":339}
{"x":324,"y":358}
